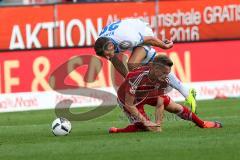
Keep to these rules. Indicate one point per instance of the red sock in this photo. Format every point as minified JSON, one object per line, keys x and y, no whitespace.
{"x":132,"y":128}
{"x":186,"y":114}
{"x":129,"y":128}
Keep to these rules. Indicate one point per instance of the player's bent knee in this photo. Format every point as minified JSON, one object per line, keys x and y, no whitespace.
{"x":166,"y":100}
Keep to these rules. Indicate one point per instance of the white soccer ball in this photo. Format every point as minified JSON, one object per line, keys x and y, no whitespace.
{"x":61,"y":127}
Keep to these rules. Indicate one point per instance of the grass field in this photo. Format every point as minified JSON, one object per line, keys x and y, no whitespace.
{"x":27,"y":136}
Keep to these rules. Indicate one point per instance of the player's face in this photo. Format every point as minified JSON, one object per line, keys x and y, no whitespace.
{"x":109,"y":50}
{"x":160,"y":72}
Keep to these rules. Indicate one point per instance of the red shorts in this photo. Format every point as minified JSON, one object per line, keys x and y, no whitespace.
{"x":150,"y":101}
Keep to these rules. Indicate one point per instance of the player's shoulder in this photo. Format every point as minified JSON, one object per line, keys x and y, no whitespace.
{"x":140,"y":69}
{"x":138,"y":73}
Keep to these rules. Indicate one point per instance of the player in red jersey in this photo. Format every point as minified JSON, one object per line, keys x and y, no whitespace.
{"x":149,"y":85}
{"x":136,"y":36}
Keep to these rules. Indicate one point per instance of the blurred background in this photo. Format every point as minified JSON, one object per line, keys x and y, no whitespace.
{"x":38,"y":36}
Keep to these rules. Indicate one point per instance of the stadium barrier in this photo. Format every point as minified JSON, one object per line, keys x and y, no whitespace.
{"x":48,"y":99}
{"x":210,"y":67}
{"x":74,"y":25}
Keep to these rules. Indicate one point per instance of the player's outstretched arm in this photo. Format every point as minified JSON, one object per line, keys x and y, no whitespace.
{"x":159,"y":110}
{"x":119,"y":66}
{"x":153,"y":41}
{"x":131,"y":107}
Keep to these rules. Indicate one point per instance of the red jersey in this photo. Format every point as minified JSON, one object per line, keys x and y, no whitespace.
{"x":138,"y":84}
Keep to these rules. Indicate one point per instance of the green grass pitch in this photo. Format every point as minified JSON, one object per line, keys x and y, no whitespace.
{"x":27,"y":136}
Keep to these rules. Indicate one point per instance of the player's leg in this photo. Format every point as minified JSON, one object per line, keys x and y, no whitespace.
{"x":188,"y":93}
{"x":135,"y":59}
{"x":184,"y":113}
{"x":178,"y":85}
{"x":129,"y":128}
{"x":135,"y":125}
{"x":141,"y":55}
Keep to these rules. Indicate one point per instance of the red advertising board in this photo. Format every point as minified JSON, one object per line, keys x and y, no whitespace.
{"x":195,"y":20}
{"x":29,"y":71}
{"x":207,"y":61}
{"x":26,"y":27}
{"x":79,"y":24}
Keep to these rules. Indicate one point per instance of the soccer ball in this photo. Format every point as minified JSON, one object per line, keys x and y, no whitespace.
{"x":61,"y":127}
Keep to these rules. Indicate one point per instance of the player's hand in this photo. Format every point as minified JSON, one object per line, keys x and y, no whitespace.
{"x":166,"y":41}
{"x":168,"y":44}
{"x":151,"y":126}
{"x":155,"y":129}
{"x":159,"y":129}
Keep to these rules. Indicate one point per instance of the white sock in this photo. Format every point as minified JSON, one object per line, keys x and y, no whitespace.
{"x":178,"y":85}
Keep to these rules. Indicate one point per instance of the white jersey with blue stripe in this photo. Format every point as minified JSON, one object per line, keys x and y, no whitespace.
{"x":131,"y":31}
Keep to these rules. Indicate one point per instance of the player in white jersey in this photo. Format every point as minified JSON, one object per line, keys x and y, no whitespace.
{"x":137,"y":36}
